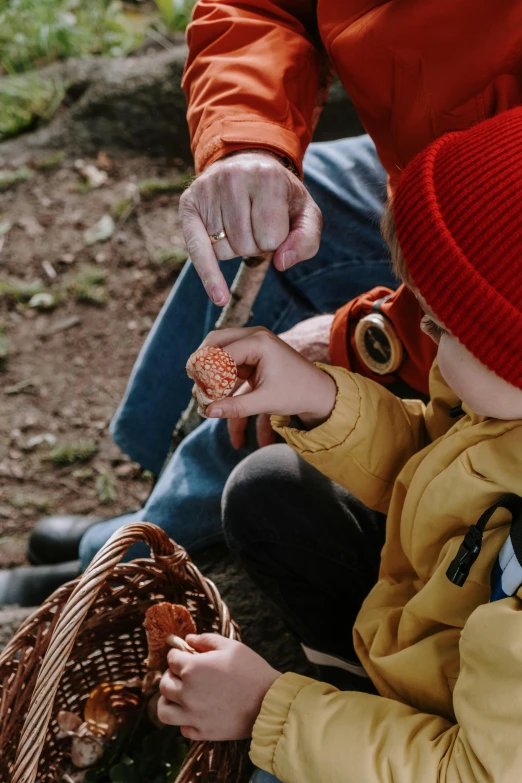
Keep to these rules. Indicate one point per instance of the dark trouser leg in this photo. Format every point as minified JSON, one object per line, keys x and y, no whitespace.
{"x":311,"y":546}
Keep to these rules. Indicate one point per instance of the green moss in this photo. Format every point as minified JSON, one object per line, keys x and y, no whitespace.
{"x":51,"y":161}
{"x":105,"y":488}
{"x":89,"y":286}
{"x":10,"y":178}
{"x":123,"y":208}
{"x":69,"y":454}
{"x":25,"y":100}
{"x":21,"y":290}
{"x":149,"y":188}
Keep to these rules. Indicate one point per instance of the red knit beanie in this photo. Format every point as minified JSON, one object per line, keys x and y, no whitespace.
{"x":458,"y":217}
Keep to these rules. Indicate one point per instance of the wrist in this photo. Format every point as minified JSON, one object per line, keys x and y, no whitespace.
{"x":287,"y":163}
{"x":324,"y":402}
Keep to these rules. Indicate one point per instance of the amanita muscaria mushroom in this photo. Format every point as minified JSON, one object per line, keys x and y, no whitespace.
{"x":214,"y":372}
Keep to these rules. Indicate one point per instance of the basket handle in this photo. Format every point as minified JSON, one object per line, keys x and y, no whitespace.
{"x":34,"y":730}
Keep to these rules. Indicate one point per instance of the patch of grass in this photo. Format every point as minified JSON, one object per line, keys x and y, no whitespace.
{"x":105,"y":488}
{"x":171,"y":256}
{"x":123,"y":208}
{"x":89,"y":286}
{"x":26,"y":500}
{"x":83,"y":187}
{"x":25,"y":100}
{"x":36,"y":32}
{"x":69,"y":454}
{"x":10,"y":178}
{"x":50,"y":161}
{"x":175,"y":14}
{"x":149,"y":188}
{"x":21,"y":290}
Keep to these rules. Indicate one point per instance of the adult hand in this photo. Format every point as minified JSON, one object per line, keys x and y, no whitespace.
{"x":280,"y":380}
{"x":217,"y":694}
{"x":263,"y":208}
{"x":311,"y":338}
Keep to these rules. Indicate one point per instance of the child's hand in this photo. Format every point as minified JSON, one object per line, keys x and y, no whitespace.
{"x":217,"y":694}
{"x":280,"y":380}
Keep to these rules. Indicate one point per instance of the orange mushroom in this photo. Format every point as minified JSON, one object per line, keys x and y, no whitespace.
{"x":214,"y":373}
{"x":161,"y":621}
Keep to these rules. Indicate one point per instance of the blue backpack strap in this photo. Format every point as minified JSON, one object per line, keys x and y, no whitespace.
{"x":506,"y":576}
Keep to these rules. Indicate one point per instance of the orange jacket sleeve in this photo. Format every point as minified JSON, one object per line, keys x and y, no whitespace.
{"x":405,"y":313}
{"x":255,"y":77}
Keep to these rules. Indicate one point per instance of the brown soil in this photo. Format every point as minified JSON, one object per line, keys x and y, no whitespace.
{"x":77,"y":375}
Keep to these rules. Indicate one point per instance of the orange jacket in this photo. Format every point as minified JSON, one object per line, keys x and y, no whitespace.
{"x":258,"y":72}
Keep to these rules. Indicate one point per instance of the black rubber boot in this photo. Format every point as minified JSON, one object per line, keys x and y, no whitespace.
{"x":31,"y":585}
{"x":57,"y":539}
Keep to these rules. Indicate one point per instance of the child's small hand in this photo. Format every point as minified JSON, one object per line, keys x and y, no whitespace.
{"x":280,"y":380}
{"x":217,"y":694}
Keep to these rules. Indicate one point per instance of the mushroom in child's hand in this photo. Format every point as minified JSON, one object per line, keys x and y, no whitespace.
{"x":214,"y":373}
{"x":161,"y":621}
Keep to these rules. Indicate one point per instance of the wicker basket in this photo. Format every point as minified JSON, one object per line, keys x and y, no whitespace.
{"x":90,"y":631}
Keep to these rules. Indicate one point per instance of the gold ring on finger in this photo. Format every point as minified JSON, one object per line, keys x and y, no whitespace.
{"x":218,"y":237}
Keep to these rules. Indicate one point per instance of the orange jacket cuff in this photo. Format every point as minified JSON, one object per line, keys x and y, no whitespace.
{"x":249,"y":131}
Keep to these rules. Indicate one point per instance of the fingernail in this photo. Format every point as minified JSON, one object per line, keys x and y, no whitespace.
{"x":288,"y":259}
{"x":215,"y":413}
{"x":217,"y":295}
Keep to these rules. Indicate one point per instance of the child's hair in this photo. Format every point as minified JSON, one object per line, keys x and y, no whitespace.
{"x":390,"y":237}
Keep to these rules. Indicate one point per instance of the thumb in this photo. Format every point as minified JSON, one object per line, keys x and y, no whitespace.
{"x":303,"y":238}
{"x":205,"y":642}
{"x":240,"y":406}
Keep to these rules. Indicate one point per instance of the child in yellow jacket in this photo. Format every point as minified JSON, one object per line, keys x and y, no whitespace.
{"x":443,"y":655}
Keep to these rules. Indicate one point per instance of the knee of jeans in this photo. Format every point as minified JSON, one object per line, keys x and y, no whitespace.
{"x":252,"y":495}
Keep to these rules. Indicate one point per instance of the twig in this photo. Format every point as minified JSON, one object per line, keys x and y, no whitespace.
{"x":62,"y":326}
{"x":160,"y":39}
{"x":237,"y":313}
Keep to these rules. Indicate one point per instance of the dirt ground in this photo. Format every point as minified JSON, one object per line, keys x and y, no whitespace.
{"x":66,"y":368}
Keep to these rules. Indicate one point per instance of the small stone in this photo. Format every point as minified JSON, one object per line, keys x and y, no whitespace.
{"x":79,"y":361}
{"x":43,"y":301}
{"x":132,"y":325}
{"x":67,"y":258}
{"x":37,"y":440}
{"x":124,"y":471}
{"x":49,"y":269}
{"x":100,"y":258}
{"x":101,"y":231}
{"x":94,"y":177}
{"x":17,"y":471}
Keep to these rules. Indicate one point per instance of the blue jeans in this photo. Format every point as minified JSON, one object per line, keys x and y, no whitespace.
{"x":263,"y":777}
{"x":347,"y":181}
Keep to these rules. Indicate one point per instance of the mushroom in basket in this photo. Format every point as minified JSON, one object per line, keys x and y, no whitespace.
{"x":110,"y":705}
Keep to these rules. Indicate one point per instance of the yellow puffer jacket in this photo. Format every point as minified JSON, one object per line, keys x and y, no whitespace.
{"x":447,"y":662}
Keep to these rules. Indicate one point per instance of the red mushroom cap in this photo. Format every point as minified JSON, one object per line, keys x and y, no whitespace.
{"x":213,"y":371}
